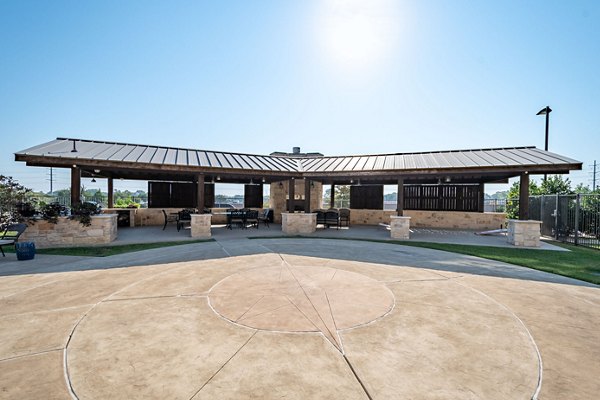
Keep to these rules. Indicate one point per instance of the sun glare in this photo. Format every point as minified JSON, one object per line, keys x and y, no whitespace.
{"x":356,"y":35}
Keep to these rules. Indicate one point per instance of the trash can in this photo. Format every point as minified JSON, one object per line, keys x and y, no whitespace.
{"x":25,"y":250}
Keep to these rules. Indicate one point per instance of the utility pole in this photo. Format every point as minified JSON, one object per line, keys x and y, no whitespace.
{"x":594,"y":177}
{"x":51,"y":180}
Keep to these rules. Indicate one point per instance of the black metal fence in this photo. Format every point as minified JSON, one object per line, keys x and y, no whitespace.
{"x":573,"y":218}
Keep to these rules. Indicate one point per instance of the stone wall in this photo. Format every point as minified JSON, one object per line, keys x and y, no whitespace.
{"x":455,"y":219}
{"x":298,"y":223}
{"x":200,"y":225}
{"x":524,"y":233}
{"x":70,"y":233}
{"x":370,"y":217}
{"x":152,"y":216}
{"x":279,"y":193}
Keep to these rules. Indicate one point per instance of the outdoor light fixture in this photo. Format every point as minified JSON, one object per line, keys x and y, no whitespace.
{"x":447,"y":180}
{"x":439,"y":181}
{"x":218,"y":178}
{"x":263,"y":180}
{"x":546,"y":111}
{"x":93,"y":180}
{"x":74,"y":165}
{"x":97,"y":171}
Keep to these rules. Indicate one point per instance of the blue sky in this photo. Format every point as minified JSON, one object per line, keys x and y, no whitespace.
{"x":338,"y":77}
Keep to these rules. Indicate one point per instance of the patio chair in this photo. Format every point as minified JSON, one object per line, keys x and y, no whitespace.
{"x":169,"y":218}
{"x":320,"y":217}
{"x":252,"y":218}
{"x":332,"y":218}
{"x":184,"y":217}
{"x":11,"y":235}
{"x":237,"y":217}
{"x":344,"y":217}
{"x":265,"y":217}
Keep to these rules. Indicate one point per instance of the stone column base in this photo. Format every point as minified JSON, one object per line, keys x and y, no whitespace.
{"x":524,"y":233}
{"x":200,"y":225}
{"x":298,"y":223}
{"x":400,"y":227}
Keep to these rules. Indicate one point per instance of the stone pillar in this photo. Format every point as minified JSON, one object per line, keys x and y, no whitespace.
{"x":307,"y":187}
{"x":400,"y":197}
{"x":291,"y":195}
{"x":111,"y":194}
{"x":75,"y":185}
{"x":524,"y":233}
{"x":200,"y":225}
{"x":200,"y":192}
{"x":400,"y":227}
{"x":298,"y":223}
{"x":524,"y":197}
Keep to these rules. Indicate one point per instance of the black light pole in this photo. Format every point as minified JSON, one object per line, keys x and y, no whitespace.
{"x":546,"y":111}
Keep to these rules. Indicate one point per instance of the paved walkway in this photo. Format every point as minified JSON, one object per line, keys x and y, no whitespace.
{"x":294,"y":318}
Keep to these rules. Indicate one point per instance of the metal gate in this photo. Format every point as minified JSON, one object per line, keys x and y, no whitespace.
{"x":568,"y":218}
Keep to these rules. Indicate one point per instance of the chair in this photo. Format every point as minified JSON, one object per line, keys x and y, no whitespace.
{"x":344,"y":217}
{"x":184,"y":217}
{"x":265,"y":217}
{"x":237,"y":217}
{"x":252,"y":218}
{"x":168,"y":218}
{"x":332,"y":218}
{"x":320,"y":217}
{"x":11,"y":235}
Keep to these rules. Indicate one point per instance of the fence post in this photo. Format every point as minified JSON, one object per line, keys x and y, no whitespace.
{"x":556,"y":219}
{"x":577,"y":203}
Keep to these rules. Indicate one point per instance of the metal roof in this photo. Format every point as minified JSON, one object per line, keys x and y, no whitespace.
{"x":92,"y":153}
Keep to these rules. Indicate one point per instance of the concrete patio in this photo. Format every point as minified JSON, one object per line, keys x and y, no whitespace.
{"x":294,"y":318}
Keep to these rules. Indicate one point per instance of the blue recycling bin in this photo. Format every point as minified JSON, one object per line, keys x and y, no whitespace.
{"x":25,"y":250}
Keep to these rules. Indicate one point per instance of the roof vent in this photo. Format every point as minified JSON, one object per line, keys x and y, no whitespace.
{"x":296,"y":150}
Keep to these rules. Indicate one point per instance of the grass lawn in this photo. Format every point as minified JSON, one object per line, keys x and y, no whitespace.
{"x":104,"y":251}
{"x":579,"y":263}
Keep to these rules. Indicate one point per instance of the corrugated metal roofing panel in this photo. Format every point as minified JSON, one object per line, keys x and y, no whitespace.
{"x":341,"y":165}
{"x":170,"y":157}
{"x":379,"y":162}
{"x":351,"y":166}
{"x":204,"y":161}
{"x":159,"y":156}
{"x":134,"y":154}
{"x":147,"y":155}
{"x":521,"y":158}
{"x":213,"y":159}
{"x":480,"y":159}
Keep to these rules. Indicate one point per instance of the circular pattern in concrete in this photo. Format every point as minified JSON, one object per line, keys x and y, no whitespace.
{"x":301,"y":299}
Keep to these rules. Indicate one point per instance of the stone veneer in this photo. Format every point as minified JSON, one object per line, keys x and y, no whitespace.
{"x":455,"y":219}
{"x":400,"y":227}
{"x":524,"y":233}
{"x":70,"y":233}
{"x":152,"y":216}
{"x":200,"y":225}
{"x":278,"y":196}
{"x":298,"y":223}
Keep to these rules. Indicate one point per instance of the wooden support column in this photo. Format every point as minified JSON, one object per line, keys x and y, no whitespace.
{"x":75,"y":186}
{"x":307,"y":183}
{"x":332,"y":197}
{"x":400,"y":197}
{"x":524,"y":197}
{"x":200,"y":192}
{"x":111,"y":194}
{"x":291,"y":194}
{"x":481,"y":205}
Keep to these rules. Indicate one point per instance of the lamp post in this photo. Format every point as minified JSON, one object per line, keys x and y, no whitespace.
{"x":546,"y":111}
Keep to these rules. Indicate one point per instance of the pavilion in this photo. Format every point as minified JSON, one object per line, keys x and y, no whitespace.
{"x":180,"y":177}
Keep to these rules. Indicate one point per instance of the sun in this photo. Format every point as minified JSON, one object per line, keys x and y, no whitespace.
{"x":356,"y":35}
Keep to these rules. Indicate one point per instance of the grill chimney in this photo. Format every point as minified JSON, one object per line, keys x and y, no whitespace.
{"x":296,"y":150}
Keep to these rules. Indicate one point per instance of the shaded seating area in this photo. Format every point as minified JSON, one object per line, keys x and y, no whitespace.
{"x":243,"y":218}
{"x":328,"y":218}
{"x":10,"y":236}
{"x":169,"y":218}
{"x":266,"y":217}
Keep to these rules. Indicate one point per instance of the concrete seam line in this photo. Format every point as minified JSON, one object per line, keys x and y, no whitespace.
{"x":223,"y":366}
{"x":538,"y":388}
{"x":31,"y":354}
{"x":65,"y":364}
{"x":357,"y":377}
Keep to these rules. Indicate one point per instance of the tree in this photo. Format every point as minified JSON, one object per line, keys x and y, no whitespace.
{"x":512,"y":203}
{"x":556,"y":185}
{"x":13,"y":196}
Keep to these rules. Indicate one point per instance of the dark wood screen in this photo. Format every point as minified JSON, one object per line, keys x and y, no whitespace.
{"x":171,"y":194}
{"x":253,"y":196}
{"x":368,"y":197}
{"x":159,"y":194}
{"x":442,"y":197}
{"x":209,"y":195}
